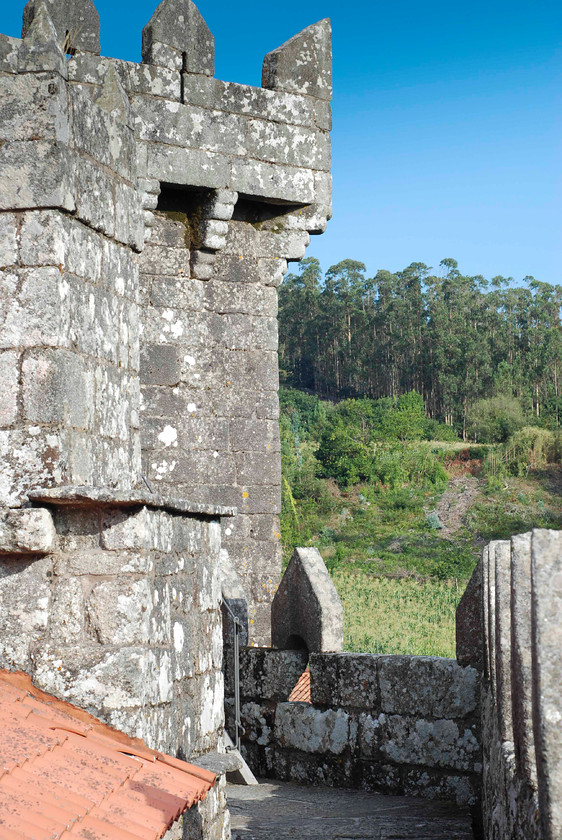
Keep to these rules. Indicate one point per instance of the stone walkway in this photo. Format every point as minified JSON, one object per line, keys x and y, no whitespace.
{"x":283,"y":811}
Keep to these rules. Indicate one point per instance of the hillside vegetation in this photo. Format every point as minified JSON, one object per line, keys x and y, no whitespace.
{"x":421,"y":419}
{"x":400,"y":508}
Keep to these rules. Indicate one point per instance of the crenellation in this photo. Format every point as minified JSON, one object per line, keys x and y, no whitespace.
{"x":76,"y":24}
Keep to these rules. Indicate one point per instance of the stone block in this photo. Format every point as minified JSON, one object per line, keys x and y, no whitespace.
{"x":28,"y":458}
{"x":272,"y":271}
{"x":163,"y":260}
{"x":129,"y":218}
{"x":254,"y":435}
{"x":9,"y":379}
{"x":210,"y":433}
{"x":503,"y":637}
{"x":323,"y":188}
{"x":285,"y":243}
{"x":22,"y":629}
{"x":427,"y":686}
{"x":302,"y":727}
{"x":160,"y":365}
{"x":37,"y":314}
{"x":9,"y":51}
{"x":105,"y":681}
{"x":250,"y":500}
{"x":124,"y":529}
{"x":179,"y":26}
{"x":8,"y":241}
{"x":546,"y":571}
{"x":176,"y":124}
{"x":246,"y":299}
{"x":470,"y":623}
{"x":303,"y":64}
{"x":100,"y":132}
{"x":33,"y":107}
{"x":199,"y":467}
{"x":84,"y":253}
{"x":58,"y":387}
{"x":166,"y":291}
{"x":289,"y":145}
{"x":453,"y":787}
{"x":436,"y":743}
{"x":189,"y":167}
{"x":269,"y":180}
{"x":66,"y":620}
{"x":36,"y":174}
{"x":306,"y":608}
{"x":27,"y":531}
{"x":249,"y":101}
{"x":521,"y":645}
{"x":267,"y":674}
{"x":258,"y":468}
{"x":347,"y":680}
{"x":95,"y":202}
{"x":119,"y":612}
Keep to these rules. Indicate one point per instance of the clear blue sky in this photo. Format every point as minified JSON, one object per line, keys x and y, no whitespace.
{"x":447,"y":122}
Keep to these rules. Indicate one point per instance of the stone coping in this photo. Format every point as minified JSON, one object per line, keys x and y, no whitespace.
{"x":107,"y":497}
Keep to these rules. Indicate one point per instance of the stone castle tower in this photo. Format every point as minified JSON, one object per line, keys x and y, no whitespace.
{"x":147,"y":215}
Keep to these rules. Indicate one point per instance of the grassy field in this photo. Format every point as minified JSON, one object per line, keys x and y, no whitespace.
{"x":384,"y":615}
{"x":400,"y":578}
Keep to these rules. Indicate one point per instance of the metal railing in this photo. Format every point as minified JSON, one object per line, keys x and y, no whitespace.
{"x":239,"y":729}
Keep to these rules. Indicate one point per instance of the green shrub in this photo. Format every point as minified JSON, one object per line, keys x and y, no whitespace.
{"x":495,"y":419}
{"x":433,"y":430}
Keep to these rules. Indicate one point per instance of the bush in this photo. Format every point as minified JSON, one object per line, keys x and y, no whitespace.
{"x":433,"y":430}
{"x":494,"y":420}
{"x":530,"y":448}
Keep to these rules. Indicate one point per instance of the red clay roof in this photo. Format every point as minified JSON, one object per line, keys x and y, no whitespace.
{"x":301,"y":692}
{"x":64,"y":774}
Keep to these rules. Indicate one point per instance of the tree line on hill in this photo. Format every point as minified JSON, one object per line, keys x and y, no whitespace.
{"x":477,"y":352}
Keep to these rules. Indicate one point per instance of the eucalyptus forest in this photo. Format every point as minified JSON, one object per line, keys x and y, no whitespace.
{"x":454,"y":339}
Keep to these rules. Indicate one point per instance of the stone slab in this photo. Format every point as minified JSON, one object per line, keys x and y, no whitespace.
{"x":106,"y":497}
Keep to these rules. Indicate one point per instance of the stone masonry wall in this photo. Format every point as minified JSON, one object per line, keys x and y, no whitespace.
{"x":224,"y":183}
{"x":394,"y":724}
{"x":118,"y":611}
{"x":508,"y":625}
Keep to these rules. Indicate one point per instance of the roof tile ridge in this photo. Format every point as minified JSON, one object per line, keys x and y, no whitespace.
{"x":187,"y":767}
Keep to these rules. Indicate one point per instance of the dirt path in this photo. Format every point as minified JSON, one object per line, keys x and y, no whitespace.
{"x":456,"y":501}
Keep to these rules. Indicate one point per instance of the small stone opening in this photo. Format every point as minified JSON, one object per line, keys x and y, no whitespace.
{"x":257,"y":211}
{"x":296,"y":642}
{"x":185,"y":205}
{"x":68,"y":46}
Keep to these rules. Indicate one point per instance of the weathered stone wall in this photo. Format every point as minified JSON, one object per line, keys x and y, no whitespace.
{"x":395,"y":724}
{"x":117,"y":609}
{"x":147,"y":214}
{"x":224,"y":183}
{"x":509,"y":625}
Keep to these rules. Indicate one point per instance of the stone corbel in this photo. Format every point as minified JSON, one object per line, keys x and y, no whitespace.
{"x":27,"y":531}
{"x":216,"y":213}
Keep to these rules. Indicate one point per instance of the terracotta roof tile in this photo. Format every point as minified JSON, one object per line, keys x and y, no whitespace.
{"x":301,"y":691}
{"x":65,"y":775}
